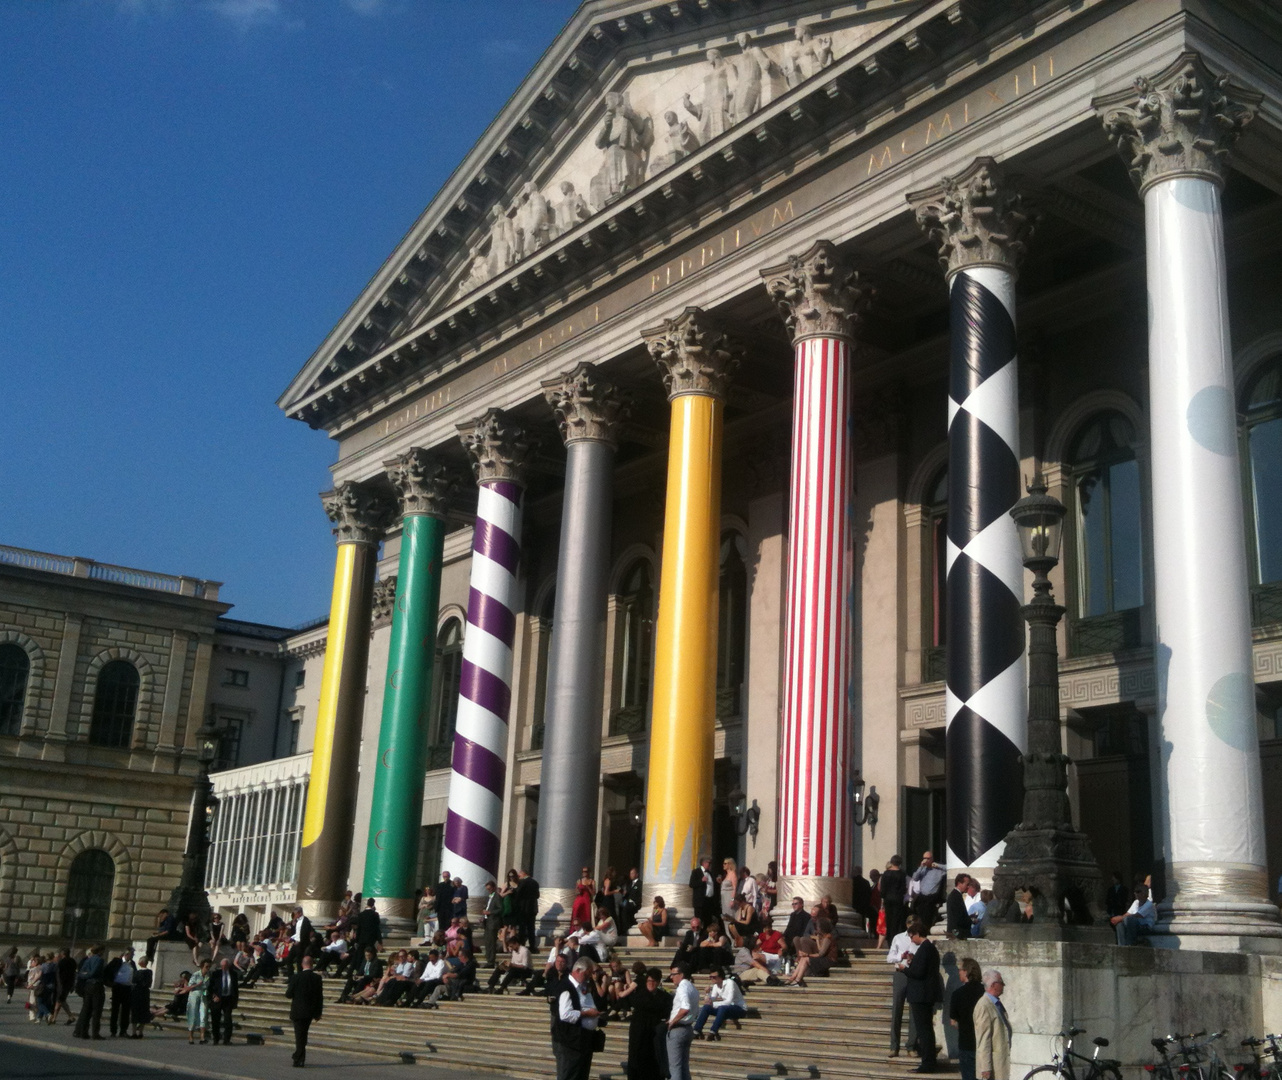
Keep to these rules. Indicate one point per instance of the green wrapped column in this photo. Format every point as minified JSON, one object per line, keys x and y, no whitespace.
{"x":397,"y":807}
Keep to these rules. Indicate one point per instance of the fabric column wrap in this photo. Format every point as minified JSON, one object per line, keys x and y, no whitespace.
{"x":329,"y":820}
{"x":473,"y":820}
{"x":814,"y":825}
{"x":1206,"y":689}
{"x":986,"y":695}
{"x":566,"y":838}
{"x":397,"y":808}
{"x":679,"y":784}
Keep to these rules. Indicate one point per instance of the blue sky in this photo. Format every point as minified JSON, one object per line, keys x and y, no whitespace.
{"x":191,"y":193}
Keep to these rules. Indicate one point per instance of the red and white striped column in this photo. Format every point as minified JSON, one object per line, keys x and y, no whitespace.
{"x":821,"y":299}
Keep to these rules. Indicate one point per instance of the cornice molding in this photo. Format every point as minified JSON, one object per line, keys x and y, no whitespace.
{"x":820,"y":110}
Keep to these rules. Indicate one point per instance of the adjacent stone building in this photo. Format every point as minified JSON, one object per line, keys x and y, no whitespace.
{"x":107,"y":674}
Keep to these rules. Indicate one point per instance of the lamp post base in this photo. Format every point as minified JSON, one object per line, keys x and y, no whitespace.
{"x":1055,"y":869}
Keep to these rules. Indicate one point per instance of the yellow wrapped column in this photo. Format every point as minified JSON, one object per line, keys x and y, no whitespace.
{"x":697,"y":361}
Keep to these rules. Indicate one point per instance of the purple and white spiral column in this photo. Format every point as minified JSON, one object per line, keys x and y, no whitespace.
{"x":478,"y":768}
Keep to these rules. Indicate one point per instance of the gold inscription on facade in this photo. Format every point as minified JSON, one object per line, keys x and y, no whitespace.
{"x":710,"y":251}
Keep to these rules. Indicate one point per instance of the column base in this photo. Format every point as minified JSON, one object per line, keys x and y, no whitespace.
{"x":1218,"y":908}
{"x":319,"y":911}
{"x":555,"y":906}
{"x":812,"y":890}
{"x":678,"y":899}
{"x":397,"y":913}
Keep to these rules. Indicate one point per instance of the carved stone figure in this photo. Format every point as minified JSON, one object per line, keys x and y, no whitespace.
{"x":478,"y":273}
{"x":572,"y":209}
{"x":533,"y":221}
{"x":716,"y":112}
{"x":503,"y":242}
{"x":753,"y":71}
{"x":625,"y":136}
{"x":681,"y":142}
{"x":806,"y":56}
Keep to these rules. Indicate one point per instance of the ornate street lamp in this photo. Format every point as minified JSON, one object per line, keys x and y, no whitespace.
{"x":746,"y":818}
{"x":1044,"y":855}
{"x":864,"y":807}
{"x":190,"y":894}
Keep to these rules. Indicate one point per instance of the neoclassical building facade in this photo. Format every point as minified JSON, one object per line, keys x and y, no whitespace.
{"x":677,"y":442}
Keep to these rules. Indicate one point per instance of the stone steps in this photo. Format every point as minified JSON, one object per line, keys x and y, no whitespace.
{"x":838,"y":1026}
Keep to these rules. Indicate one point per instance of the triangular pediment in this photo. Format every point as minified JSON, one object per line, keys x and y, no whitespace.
{"x":626,"y":92}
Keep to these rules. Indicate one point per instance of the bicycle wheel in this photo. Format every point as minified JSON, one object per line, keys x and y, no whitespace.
{"x":1046,"y":1072}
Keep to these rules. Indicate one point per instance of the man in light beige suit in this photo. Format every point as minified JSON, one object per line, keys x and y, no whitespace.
{"x":992,"y":1031}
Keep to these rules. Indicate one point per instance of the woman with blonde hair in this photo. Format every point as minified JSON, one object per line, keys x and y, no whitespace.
{"x":729,"y":887}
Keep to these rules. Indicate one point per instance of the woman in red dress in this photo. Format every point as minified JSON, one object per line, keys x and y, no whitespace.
{"x":581,"y":911}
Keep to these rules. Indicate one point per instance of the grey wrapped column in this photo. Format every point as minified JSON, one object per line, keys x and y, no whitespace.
{"x":589,"y":410}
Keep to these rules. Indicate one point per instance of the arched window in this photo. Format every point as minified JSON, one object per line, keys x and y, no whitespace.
{"x":636,"y":650}
{"x":545,"y":615}
{"x":935,"y":578}
{"x":732,"y":623}
{"x":1109,"y":548}
{"x":89,"y":888}
{"x":15,"y":668}
{"x":449,"y":673}
{"x":115,"y":702}
{"x":1262,"y":437}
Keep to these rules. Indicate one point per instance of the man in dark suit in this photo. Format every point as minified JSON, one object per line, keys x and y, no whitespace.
{"x":924,"y":992}
{"x":798,"y":921}
{"x":369,"y":970}
{"x":223,"y":992}
{"x":861,"y":898}
{"x":119,"y":975}
{"x":369,"y":928}
{"x":704,"y":890}
{"x":444,"y":900}
{"x":958,"y":923}
{"x":687,"y":954}
{"x":527,"y":907}
{"x":306,"y":992}
{"x":894,"y":889}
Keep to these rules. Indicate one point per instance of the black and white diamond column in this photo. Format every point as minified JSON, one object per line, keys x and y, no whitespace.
{"x":976,"y":219}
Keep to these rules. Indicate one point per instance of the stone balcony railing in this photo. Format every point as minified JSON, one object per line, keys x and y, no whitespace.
{"x":74,"y":566}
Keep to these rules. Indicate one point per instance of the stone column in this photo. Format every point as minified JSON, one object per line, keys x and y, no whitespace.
{"x":396,"y":813}
{"x":977,"y":221}
{"x":474,"y":818}
{"x":1174,"y":131}
{"x":697,"y":360}
{"x":590,"y":411}
{"x":820,"y":298}
{"x":359,"y":518}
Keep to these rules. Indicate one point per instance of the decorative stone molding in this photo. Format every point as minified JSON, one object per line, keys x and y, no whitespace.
{"x":588,"y":409}
{"x":423,"y":482}
{"x":499,"y":448}
{"x":977,"y":218}
{"x":1180,"y":122}
{"x":694,"y":354}
{"x":360,"y":515}
{"x":819,"y":293}
{"x":383,"y":598}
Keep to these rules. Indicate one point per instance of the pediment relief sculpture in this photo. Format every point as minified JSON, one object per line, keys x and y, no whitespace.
{"x":657,"y":119}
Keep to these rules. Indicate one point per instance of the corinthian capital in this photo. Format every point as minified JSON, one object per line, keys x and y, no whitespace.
{"x":360,"y":516}
{"x":1180,"y":122}
{"x":694,"y":354}
{"x":499,"y":448}
{"x":818,"y":293}
{"x":422,"y":481}
{"x":977,"y":218}
{"x":587,"y":407}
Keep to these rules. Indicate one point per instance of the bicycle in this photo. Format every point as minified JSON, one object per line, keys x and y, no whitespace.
{"x":1062,"y":1060}
{"x":1200,"y":1061}
{"x":1261,"y":1067}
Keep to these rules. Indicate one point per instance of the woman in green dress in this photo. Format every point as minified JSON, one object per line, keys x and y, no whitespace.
{"x":197,"y":1005}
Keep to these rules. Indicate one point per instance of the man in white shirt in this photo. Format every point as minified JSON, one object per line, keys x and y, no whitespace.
{"x":432,"y":977}
{"x":725,"y":1000}
{"x":901,"y":952}
{"x":335,"y":951}
{"x":685,"y":999}
{"x":1140,"y":916}
{"x":573,"y":1038}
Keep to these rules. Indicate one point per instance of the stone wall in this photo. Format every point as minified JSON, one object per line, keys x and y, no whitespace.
{"x":1128,"y":996}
